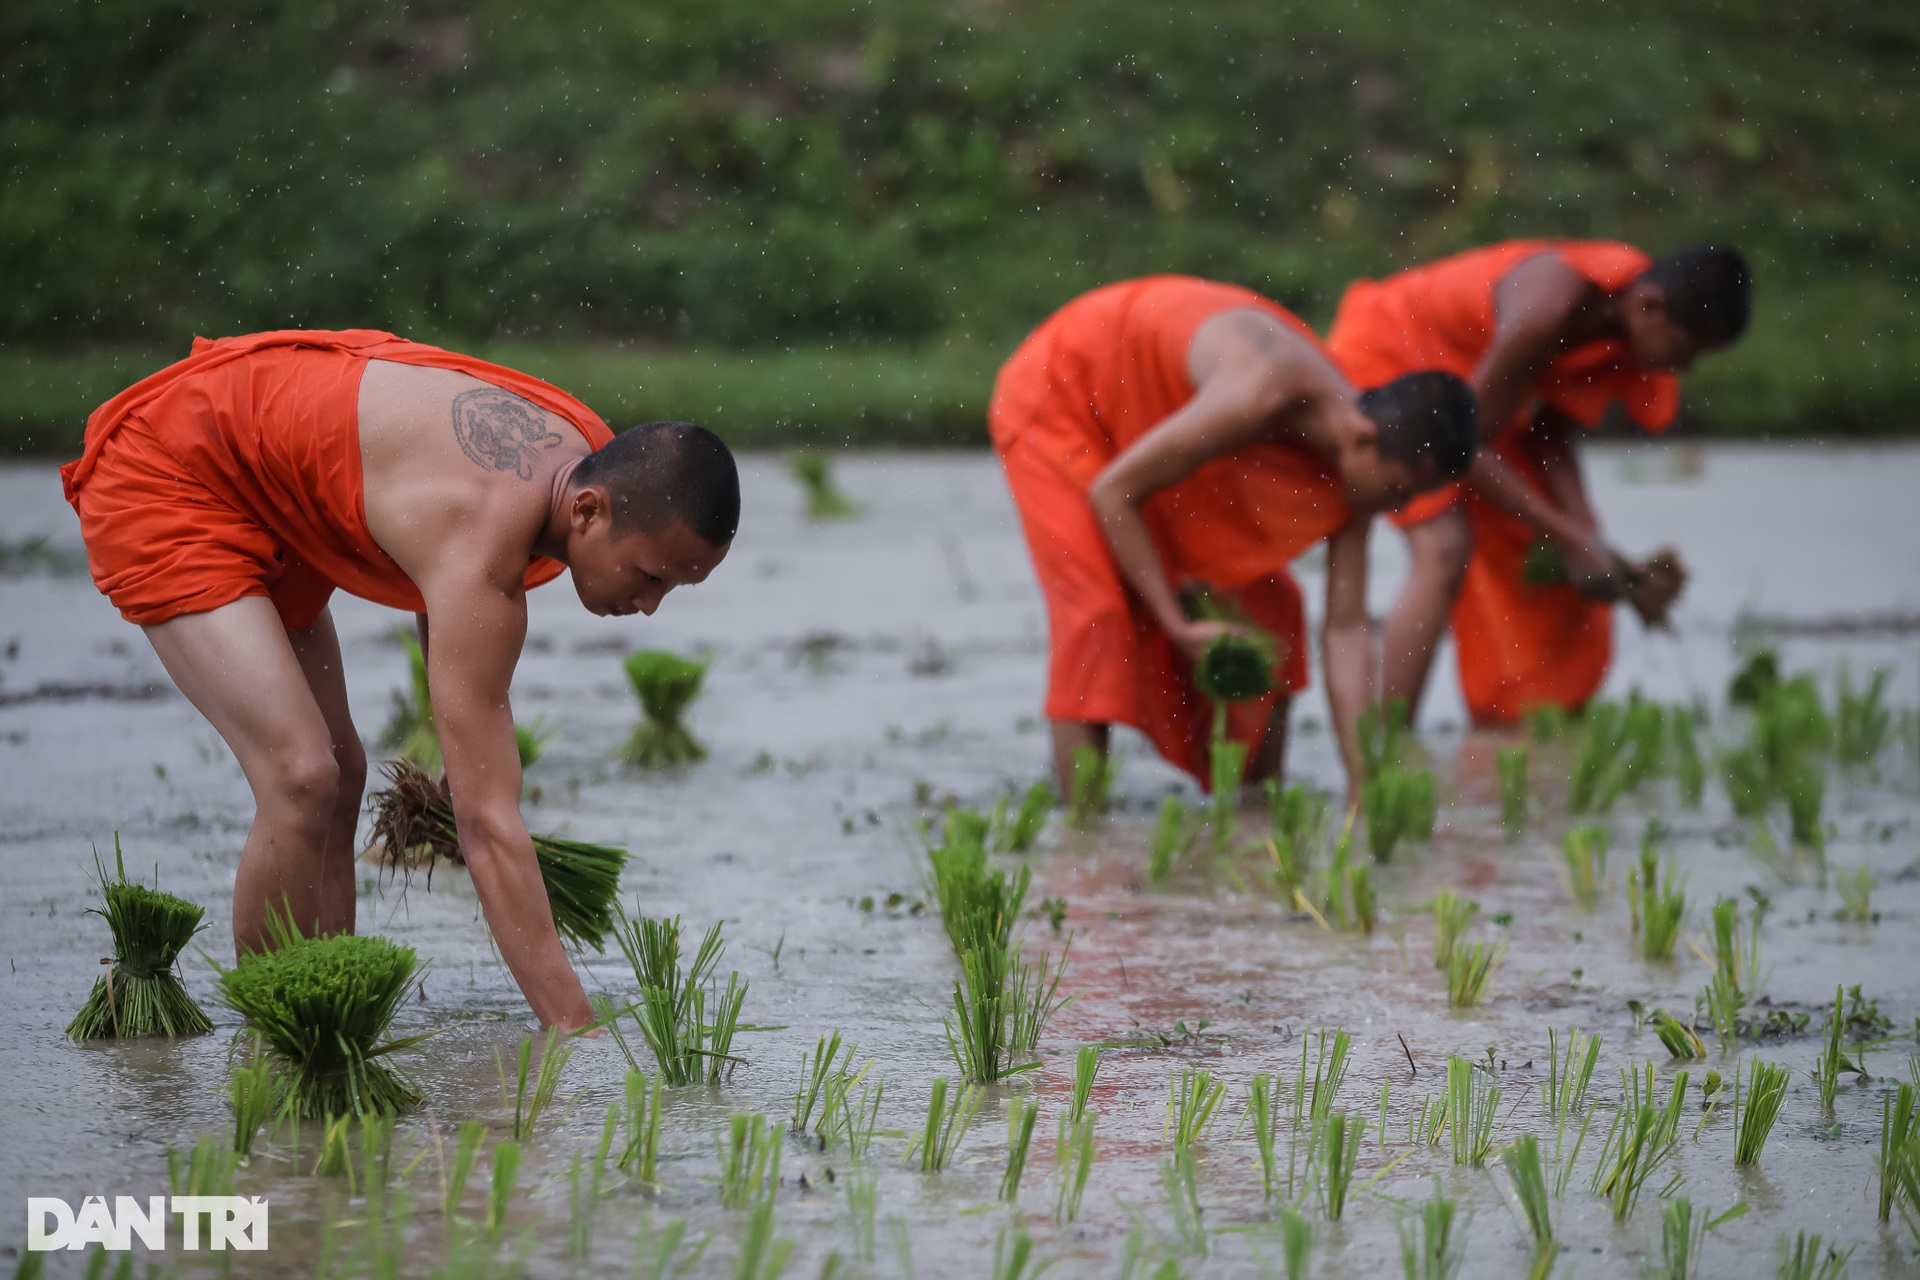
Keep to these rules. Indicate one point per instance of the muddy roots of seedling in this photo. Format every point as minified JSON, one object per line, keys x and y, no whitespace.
{"x":413,"y":825}
{"x":1654,"y":585}
{"x":666,"y":684}
{"x":323,"y":1007}
{"x":141,"y":994}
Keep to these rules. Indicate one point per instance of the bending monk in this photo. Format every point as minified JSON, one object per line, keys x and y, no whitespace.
{"x":1167,"y":432}
{"x":224,"y":499}
{"x":1549,"y":334}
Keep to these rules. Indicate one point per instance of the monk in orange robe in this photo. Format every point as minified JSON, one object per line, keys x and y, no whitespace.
{"x":1550,"y":334}
{"x":224,"y":499}
{"x":1170,"y":431}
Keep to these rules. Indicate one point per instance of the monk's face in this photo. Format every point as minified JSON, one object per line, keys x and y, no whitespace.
{"x":1658,"y":341}
{"x":1371,"y":482}
{"x":617,"y":574}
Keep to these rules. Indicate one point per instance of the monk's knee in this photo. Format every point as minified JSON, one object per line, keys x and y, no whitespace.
{"x":1441,"y":549}
{"x":304,"y":784}
{"x":351,"y":759}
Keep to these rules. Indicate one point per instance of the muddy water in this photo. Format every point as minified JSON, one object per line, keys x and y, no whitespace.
{"x":863,"y":663}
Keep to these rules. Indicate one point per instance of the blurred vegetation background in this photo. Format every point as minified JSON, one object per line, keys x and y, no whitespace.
{"x":821,"y":220}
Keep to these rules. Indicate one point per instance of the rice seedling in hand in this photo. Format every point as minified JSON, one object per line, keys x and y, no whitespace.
{"x":1433,"y":1242}
{"x":1473,"y":1099}
{"x":1452,"y":916}
{"x":1028,"y":822}
{"x":1862,"y":724}
{"x":323,"y":1006}
{"x":749,"y":1161}
{"x":945,"y":1126}
{"x":1193,"y":1097}
{"x":1683,"y":1233}
{"x":1899,"y":1159}
{"x":1512,"y":765}
{"x":1092,"y":786}
{"x":814,"y":471}
{"x":253,"y":1092}
{"x":640,"y":1123}
{"x":1584,"y":850}
{"x":1021,"y":1114}
{"x":141,"y":994}
{"x":1680,"y":1039}
{"x":666,"y":685}
{"x":413,"y":823}
{"x":410,"y":729}
{"x":1174,"y":835}
{"x":1237,"y":666}
{"x":1658,"y":905}
{"x":530,"y":1092}
{"x":1529,"y":1181}
{"x":1469,"y":967}
{"x":1855,"y":888}
{"x":1809,"y":1257}
{"x":1765,"y":1088}
{"x":466,"y":1153}
{"x":506,"y":1173}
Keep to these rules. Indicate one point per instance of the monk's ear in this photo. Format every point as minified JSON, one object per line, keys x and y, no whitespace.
{"x":1366,"y":433}
{"x":588,"y":504}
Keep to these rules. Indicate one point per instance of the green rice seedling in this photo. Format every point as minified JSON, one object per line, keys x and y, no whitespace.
{"x":1012,"y":1250}
{"x":1760,"y":672}
{"x":1287,"y":871}
{"x":749,"y":1160}
{"x":1073,"y":1156}
{"x":1033,"y":1001}
{"x":1736,"y":950}
{"x":1173,"y":838}
{"x":856,"y":1121}
{"x":1569,"y":1072}
{"x":1682,"y":1234}
{"x":656,"y":1256}
{"x":1833,"y":1057}
{"x":1512,"y":765}
{"x":944,"y":1128}
{"x":1296,"y":1242}
{"x":410,"y":731}
{"x":253,"y":1092}
{"x":1547,"y":721}
{"x":1091,"y":786}
{"x":1237,"y":666}
{"x":1640,"y":1141}
{"x":672,"y":1010}
{"x":583,"y":1208}
{"x":1473,"y":1100}
{"x":1383,"y":734}
{"x":1183,"y":1200}
{"x":814,"y":470}
{"x":1805,"y":785}
{"x":1029,"y":821}
{"x":1529,"y":1179}
{"x":1898,"y":1165}
{"x":1314,"y":1096}
{"x":506,"y":1172}
{"x":1809,"y":1257}
{"x":763,"y":1255}
{"x":466,"y":1152}
{"x":1021,"y":1114}
{"x":1433,"y":1242}
{"x":666,"y":685}
{"x":1295,"y":811}
{"x":981,"y":1016}
{"x":1390,"y":800}
{"x":1344,"y":1133}
{"x":640,"y":1145}
{"x":1453,"y":915}
{"x":1862,"y":724}
{"x":207,"y":1170}
{"x":1227,"y":772}
{"x":979,"y":903}
{"x":1659,"y":906}
{"x":1596,"y":757}
{"x":1689,"y":766}
{"x":531,"y":1092}
{"x":322,"y":1007}
{"x":1086,"y":1066}
{"x":1429,"y":1124}
{"x":1724,"y":1003}
{"x":825,"y":1076}
{"x":1855,"y":888}
{"x":1193,"y":1098}
{"x":530,"y":740}
{"x":1362,"y":900}
{"x":1643,"y":730}
{"x":1584,"y":851}
{"x":1468,"y":968}
{"x":863,"y":1198}
{"x":1744,"y":774}
{"x":376,"y":1151}
{"x":1680,"y":1039}
{"x":414,"y":823}
{"x":1262,"y":1109}
{"x":336,"y":1154}
{"x":141,"y":994}
{"x":1765,"y":1089}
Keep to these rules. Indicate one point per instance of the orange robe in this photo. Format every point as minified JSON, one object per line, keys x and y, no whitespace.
{"x":236,"y":472}
{"x":1519,"y":646}
{"x":1094,"y":378}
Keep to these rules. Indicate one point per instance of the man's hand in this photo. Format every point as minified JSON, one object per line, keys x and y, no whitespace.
{"x":1192,"y":636}
{"x":1596,"y":570}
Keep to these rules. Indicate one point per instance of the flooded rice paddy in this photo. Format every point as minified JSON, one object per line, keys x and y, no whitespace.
{"x":866,"y":671}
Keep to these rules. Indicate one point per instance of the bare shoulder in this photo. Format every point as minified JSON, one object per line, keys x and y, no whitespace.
{"x":1541,"y":291}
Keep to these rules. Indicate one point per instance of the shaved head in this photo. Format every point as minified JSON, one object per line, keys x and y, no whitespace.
{"x":1706,"y":292}
{"x":660,"y":473}
{"x":1425,"y":418}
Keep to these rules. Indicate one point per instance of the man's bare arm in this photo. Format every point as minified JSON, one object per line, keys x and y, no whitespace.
{"x":1346,"y":644}
{"x":1244,"y":384}
{"x":478,"y":629}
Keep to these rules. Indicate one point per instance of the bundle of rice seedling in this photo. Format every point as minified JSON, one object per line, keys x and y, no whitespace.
{"x":413,"y":824}
{"x":141,"y":994}
{"x":1238,"y":665}
{"x":666,"y":684}
{"x":323,"y":1007}
{"x":410,"y":729}
{"x":1653,"y":585}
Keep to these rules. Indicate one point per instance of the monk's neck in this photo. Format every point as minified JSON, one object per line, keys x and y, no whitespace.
{"x":552,"y":539}
{"x":1601,"y":318}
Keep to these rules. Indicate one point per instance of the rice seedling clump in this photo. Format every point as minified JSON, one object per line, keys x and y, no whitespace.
{"x":1236,"y":667}
{"x":666,"y":685}
{"x":323,"y":1007}
{"x":141,"y":994}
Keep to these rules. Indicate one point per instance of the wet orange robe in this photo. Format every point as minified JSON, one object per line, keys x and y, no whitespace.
{"x":1519,"y":646}
{"x":1094,"y":378}
{"x":236,"y":472}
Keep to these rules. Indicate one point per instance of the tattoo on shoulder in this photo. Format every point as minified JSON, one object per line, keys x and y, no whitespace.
{"x":499,"y":431}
